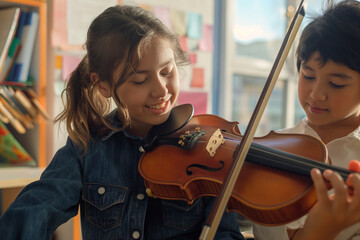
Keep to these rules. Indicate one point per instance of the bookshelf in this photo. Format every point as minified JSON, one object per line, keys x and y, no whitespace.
{"x":13,"y":179}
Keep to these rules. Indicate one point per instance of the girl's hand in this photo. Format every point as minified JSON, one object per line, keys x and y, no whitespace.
{"x":332,"y":214}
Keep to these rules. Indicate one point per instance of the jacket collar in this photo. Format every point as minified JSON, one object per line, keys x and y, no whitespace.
{"x":117,"y":125}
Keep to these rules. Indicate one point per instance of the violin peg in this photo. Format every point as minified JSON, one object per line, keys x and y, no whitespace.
{"x":149,"y":193}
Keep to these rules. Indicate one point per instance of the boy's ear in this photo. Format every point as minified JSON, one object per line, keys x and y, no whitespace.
{"x":102,"y":86}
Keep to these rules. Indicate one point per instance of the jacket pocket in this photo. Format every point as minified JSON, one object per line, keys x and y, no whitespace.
{"x":104,"y":204}
{"x":181,"y":215}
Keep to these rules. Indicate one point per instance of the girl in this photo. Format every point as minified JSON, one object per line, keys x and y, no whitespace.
{"x":328,"y":60}
{"x":133,"y":59}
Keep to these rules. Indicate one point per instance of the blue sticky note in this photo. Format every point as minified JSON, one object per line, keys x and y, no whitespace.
{"x":194,"y":25}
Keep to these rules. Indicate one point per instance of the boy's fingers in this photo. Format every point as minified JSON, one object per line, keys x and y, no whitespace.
{"x":354,"y":199}
{"x":354,"y":182}
{"x":320,"y":186}
{"x":340,"y":189}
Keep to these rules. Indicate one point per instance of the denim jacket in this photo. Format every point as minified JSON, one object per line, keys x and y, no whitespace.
{"x":106,"y":183}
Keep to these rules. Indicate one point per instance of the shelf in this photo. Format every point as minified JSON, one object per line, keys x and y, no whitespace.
{"x":37,"y":148}
{"x":12,"y":177}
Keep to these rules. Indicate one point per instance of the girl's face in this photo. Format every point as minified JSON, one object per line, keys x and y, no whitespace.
{"x":329,"y":94}
{"x":152,"y":92}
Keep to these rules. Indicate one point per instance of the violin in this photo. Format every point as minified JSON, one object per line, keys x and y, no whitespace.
{"x":189,"y":157}
{"x":211,"y":157}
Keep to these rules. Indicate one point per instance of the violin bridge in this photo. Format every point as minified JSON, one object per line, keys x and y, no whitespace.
{"x":214,"y":142}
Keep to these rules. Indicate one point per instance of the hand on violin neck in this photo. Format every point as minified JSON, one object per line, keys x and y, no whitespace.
{"x":354,"y":166}
{"x":334,"y":213}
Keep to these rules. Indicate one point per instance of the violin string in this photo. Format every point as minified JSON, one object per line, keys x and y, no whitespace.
{"x":284,"y":160}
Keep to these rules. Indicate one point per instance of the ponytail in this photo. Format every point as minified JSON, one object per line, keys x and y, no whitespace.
{"x":84,"y":108}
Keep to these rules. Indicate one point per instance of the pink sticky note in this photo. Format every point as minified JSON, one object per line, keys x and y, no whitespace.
{"x":197,"y":99}
{"x":163,"y":14}
{"x":206,"y":42}
{"x":193,"y":58}
{"x":59,"y":30}
{"x":68,"y":65}
{"x":183,"y":43}
{"x":197,"y":77}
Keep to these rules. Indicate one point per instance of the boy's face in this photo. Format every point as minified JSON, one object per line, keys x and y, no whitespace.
{"x":329,"y":94}
{"x":152,"y":92}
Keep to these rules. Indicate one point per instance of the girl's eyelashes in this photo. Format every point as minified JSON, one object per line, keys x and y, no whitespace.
{"x":167,"y":71}
{"x":338,"y":86}
{"x":139,"y":81}
{"x":141,"y":78}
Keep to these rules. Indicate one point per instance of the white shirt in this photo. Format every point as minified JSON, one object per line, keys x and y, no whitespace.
{"x":340,"y":151}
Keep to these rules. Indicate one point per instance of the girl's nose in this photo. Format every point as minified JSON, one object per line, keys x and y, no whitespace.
{"x":159,"y":87}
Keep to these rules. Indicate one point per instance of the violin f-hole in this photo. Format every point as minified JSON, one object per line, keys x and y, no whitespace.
{"x":204,"y":167}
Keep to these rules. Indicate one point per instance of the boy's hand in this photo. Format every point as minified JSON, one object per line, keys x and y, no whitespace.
{"x":334,"y":213}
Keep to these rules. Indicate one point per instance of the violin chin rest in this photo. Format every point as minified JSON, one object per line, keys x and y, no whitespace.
{"x":178,"y":118}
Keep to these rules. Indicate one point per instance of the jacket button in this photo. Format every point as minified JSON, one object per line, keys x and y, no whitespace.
{"x":101,"y":190}
{"x":140,"y":196}
{"x":141,"y":149}
{"x":136,"y":235}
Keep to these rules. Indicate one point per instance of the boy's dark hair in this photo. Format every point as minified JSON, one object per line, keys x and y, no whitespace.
{"x":117,"y":36}
{"x":335,"y":34}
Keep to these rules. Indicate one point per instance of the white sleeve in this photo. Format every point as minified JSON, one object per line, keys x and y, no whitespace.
{"x":299,"y":223}
{"x":270,"y":232}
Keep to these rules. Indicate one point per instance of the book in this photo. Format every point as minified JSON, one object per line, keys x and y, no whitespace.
{"x":15,"y":45}
{"x":23,"y":60}
{"x":8,"y":22}
{"x":10,"y":60}
{"x":23,"y":115}
{"x":26,"y":103}
{"x":34,"y":98}
{"x":11,"y":150}
{"x":15,"y":123}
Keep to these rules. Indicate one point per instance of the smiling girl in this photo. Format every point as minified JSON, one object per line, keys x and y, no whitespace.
{"x":132,"y":58}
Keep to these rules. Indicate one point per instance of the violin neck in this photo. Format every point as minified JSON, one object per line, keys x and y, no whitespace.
{"x":271,"y":157}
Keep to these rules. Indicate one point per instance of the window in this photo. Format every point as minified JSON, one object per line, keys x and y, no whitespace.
{"x":254,"y":31}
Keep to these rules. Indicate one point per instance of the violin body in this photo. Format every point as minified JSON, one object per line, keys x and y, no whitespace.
{"x":263,"y":194}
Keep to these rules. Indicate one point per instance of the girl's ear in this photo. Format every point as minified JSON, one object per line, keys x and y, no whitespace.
{"x":102,"y":86}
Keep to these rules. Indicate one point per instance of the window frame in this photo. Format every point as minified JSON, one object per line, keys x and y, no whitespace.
{"x":226,"y":64}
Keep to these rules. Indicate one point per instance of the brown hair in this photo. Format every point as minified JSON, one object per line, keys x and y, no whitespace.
{"x":117,"y":36}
